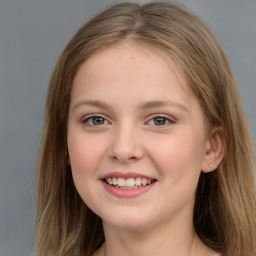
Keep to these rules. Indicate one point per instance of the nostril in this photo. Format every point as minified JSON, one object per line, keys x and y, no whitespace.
{"x":124,"y":158}
{"x":132,"y":158}
{"x":125,"y":147}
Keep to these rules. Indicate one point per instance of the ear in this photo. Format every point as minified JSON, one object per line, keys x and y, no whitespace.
{"x":215,"y":150}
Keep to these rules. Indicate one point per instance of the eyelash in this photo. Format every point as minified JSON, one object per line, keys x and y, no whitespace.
{"x":89,"y":120}
{"x":167,"y":120}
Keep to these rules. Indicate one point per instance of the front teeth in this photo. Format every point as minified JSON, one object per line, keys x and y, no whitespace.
{"x":130,"y":182}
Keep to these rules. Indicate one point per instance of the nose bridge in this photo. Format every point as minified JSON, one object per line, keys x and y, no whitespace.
{"x":126,"y":145}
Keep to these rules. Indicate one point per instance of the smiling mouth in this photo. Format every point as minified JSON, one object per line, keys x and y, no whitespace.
{"x":130,"y":183}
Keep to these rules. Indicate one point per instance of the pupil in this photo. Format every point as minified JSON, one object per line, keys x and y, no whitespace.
{"x":159,"y":121}
{"x":98,"y":120}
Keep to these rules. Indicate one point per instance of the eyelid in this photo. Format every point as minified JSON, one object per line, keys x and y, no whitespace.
{"x":88,"y":117}
{"x":167,"y":117}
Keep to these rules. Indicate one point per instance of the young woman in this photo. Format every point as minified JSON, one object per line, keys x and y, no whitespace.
{"x":146,"y":149}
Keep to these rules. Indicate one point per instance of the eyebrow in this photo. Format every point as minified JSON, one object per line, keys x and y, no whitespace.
{"x":143,"y":106}
{"x":94,"y":103}
{"x":159,"y":103}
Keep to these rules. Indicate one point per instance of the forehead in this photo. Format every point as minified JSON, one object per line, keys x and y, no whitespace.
{"x":127,"y":58}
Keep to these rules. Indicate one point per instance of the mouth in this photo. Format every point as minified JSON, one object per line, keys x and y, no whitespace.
{"x":129,"y":183}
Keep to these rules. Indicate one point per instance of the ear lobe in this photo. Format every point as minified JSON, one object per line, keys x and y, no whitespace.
{"x":215,"y":150}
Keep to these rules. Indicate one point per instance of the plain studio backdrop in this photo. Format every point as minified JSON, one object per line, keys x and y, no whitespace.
{"x":33,"y":33}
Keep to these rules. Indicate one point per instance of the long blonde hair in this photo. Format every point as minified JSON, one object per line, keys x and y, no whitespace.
{"x":225,"y":207}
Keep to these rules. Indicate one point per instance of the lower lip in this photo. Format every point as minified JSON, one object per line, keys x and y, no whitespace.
{"x":127,"y":193}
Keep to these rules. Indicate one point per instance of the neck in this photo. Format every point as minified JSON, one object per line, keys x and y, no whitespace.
{"x":162,"y":241}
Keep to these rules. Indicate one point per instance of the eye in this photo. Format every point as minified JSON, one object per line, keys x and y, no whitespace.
{"x":95,"y":120}
{"x":160,"y":121}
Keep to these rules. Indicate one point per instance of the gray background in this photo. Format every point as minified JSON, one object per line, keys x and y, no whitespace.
{"x":32,"y":35}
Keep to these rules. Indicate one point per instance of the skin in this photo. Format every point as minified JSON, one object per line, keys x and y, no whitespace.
{"x":117,"y":84}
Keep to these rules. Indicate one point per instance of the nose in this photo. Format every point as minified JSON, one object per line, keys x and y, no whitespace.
{"x":126,"y":145}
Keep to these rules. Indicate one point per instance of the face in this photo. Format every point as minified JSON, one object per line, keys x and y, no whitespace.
{"x":136,"y":137}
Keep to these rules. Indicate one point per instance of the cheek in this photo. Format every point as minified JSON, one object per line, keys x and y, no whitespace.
{"x":81,"y":158}
{"x":85,"y":153}
{"x":85,"y":156}
{"x":179,"y":157}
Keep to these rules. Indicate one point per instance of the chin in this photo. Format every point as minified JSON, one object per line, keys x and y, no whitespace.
{"x":127,"y":220}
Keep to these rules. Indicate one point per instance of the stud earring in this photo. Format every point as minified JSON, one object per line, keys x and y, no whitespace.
{"x":210,"y":165}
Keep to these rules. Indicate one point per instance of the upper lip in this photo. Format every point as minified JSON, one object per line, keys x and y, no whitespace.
{"x":125,"y":175}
